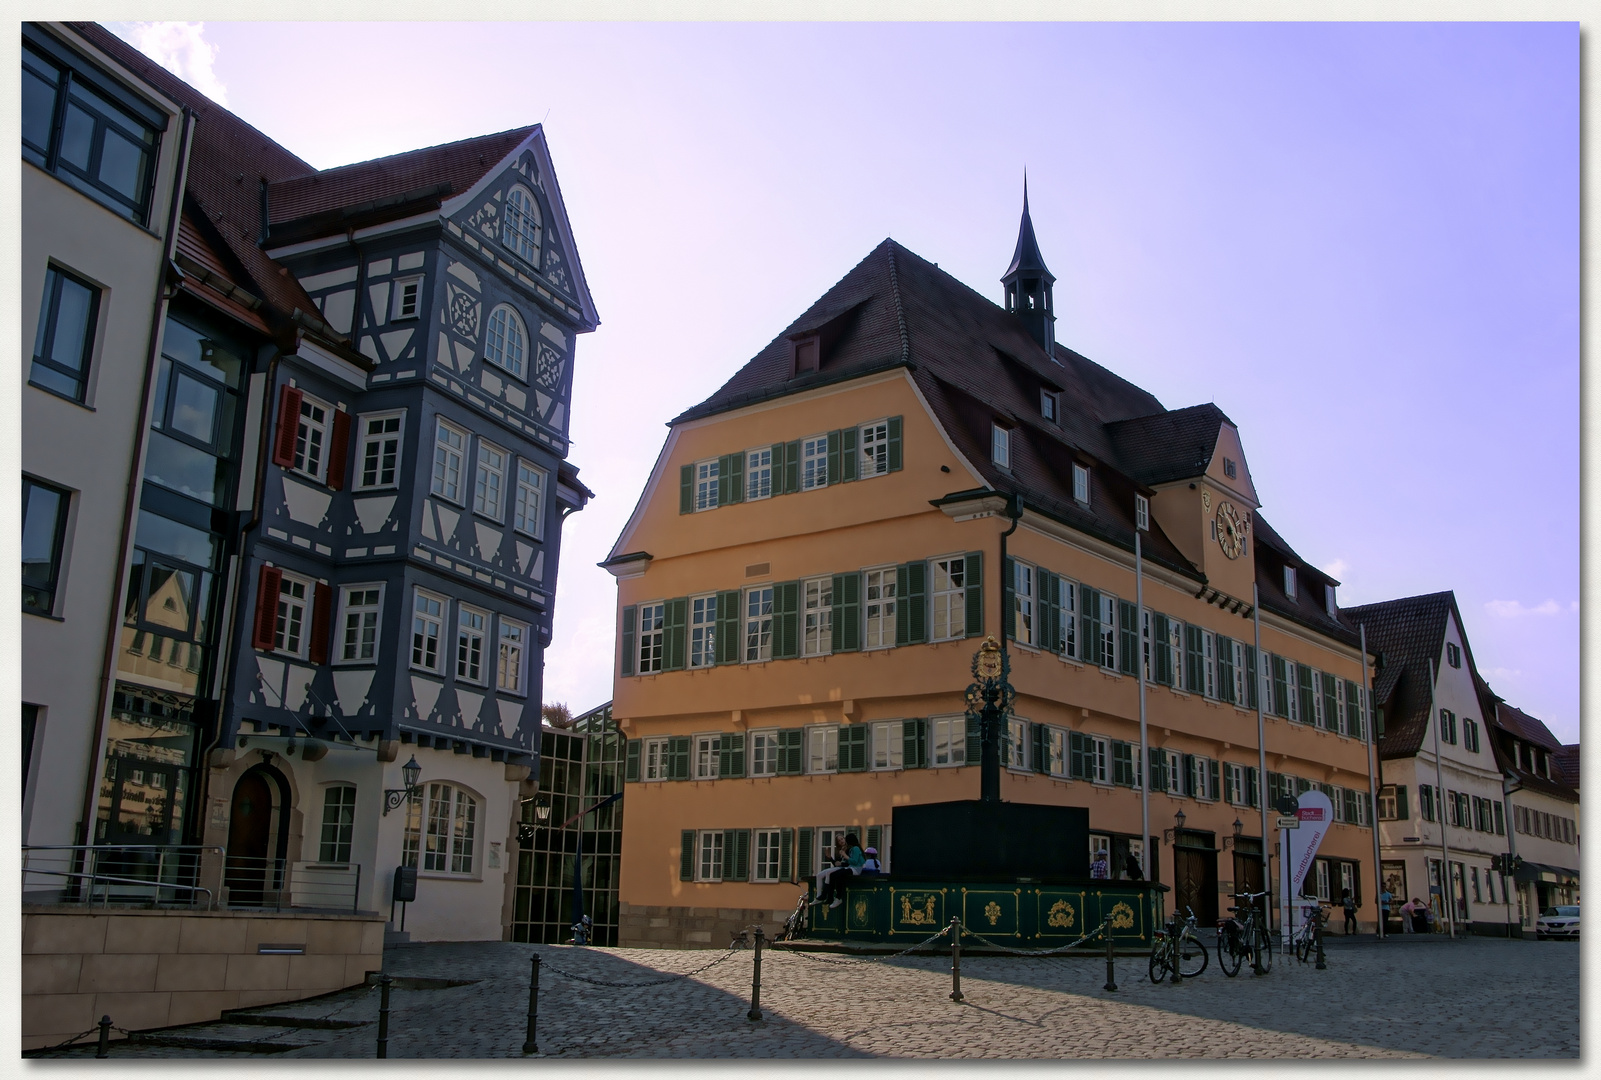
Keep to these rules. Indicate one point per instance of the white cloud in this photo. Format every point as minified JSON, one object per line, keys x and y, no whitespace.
{"x":1337,"y":569}
{"x":181,"y":48}
{"x":1503,"y":673}
{"x":1513,"y":609}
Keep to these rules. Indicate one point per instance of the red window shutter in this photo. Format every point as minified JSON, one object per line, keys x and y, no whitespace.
{"x":338,"y":448}
{"x":283,"y":443}
{"x":270,"y":582}
{"x":321,"y":618}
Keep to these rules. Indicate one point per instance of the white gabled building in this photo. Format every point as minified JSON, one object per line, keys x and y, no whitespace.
{"x":1542,"y":811}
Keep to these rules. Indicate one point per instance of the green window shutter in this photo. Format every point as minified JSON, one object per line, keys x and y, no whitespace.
{"x":736,"y":477}
{"x":630,"y":620}
{"x":1122,"y":763}
{"x":1128,"y":638}
{"x":675,"y":628}
{"x":1158,"y":777}
{"x":903,"y":614}
{"x":914,"y":732}
{"x":786,"y":855}
{"x":1194,"y":662}
{"x":1353,"y":710}
{"x":1331,"y":704}
{"x":1009,"y":598}
{"x":631,"y":768}
{"x":1161,"y":654}
{"x":894,"y":444}
{"x":686,"y":489}
{"x":786,"y":620}
{"x":875,"y":835}
{"x":1250,"y":677}
{"x":849,"y":460}
{"x":1402,"y":810}
{"x":805,"y":838}
{"x":834,"y":475}
{"x":777,"y":481}
{"x":789,"y":752}
{"x":1281,"y":687}
{"x":731,"y":755}
{"x":975,"y":742}
{"x":678,"y":755}
{"x":739,"y":852}
{"x":1077,"y":755}
{"x":847,"y":627}
{"x":853,"y":748}
{"x":911,"y":603}
{"x":1304,"y":678}
{"x":723,"y":500}
{"x":1042,"y":748}
{"x":1213,"y":790}
{"x":1225,"y":667}
{"x":791,"y":471}
{"x":973,"y":573}
{"x":1252,"y":796}
{"x":1046,"y":600}
{"x":686,"y":855}
{"x":1189,"y":775}
{"x":1089,"y":621}
{"x":727,"y":627}
{"x":1500,"y":815}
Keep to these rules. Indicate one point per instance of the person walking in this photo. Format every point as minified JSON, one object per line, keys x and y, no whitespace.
{"x":1409,"y":912}
{"x":1348,"y":902}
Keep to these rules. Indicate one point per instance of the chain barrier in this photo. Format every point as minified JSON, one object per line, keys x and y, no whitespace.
{"x":671,"y":977}
{"x":775,"y":946}
{"x":1011,"y":951}
{"x":64,"y":1045}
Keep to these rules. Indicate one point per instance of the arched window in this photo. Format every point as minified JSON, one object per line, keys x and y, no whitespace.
{"x":520,"y":226}
{"x":503,"y":341}
{"x":338,"y":822}
{"x":442,"y":828}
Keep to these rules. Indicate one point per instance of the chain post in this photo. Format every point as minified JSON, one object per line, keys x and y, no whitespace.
{"x":1318,"y":930}
{"x":956,"y":959}
{"x":755,"y":1012}
{"x":384,"y":982}
{"x":1175,"y":943}
{"x":529,"y":1045}
{"x":104,"y":1049}
{"x":1111,"y":978}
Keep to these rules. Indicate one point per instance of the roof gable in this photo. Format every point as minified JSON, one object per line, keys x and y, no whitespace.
{"x":1409,"y":634}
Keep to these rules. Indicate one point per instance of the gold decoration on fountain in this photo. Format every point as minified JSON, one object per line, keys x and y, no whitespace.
{"x":989,"y":658}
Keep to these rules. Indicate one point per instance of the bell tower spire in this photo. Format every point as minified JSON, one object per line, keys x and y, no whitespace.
{"x":1028,"y":284}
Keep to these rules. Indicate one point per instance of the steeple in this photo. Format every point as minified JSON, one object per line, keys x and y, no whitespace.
{"x":1028,"y":284}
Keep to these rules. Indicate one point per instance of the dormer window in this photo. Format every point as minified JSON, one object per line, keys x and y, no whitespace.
{"x":1001,"y":445}
{"x":806,"y":354}
{"x":1142,"y":513}
{"x":1453,"y":655}
{"x":520,"y":225}
{"x":408,"y":298}
{"x":1081,"y":484}
{"x":1048,"y":405}
{"x":1328,"y":600}
{"x":1289,"y":582}
{"x":1230,"y":470}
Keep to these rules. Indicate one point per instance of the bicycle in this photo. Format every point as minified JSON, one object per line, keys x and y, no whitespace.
{"x":1176,"y":949}
{"x":1238,"y":939}
{"x":796,"y":923}
{"x":1305,"y":940}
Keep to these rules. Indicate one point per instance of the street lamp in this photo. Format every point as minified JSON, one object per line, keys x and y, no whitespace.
{"x":410,"y":773}
{"x":1171,"y":835}
{"x":1234,"y":841}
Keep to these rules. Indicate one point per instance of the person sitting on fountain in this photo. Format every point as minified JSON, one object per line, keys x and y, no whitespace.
{"x":835,"y":880}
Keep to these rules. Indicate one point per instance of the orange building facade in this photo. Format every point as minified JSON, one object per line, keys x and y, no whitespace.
{"x":818,"y":553}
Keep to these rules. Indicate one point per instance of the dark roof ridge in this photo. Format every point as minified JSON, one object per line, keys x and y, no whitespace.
{"x":895,"y":295}
{"x":525,"y":130}
{"x":1402,"y":600}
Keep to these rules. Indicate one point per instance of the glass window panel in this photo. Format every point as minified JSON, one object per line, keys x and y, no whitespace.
{"x":72,"y":324}
{"x":41,"y":514}
{"x":186,"y":468}
{"x":122,"y":165}
{"x":170,"y":598}
{"x":169,"y":537}
{"x":77,"y":138}
{"x":38,"y":102}
{"x":194,"y":408}
{"x":189,"y":346}
{"x":51,"y":379}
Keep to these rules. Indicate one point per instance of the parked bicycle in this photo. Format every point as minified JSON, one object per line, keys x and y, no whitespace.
{"x":1304,"y":942}
{"x":1248,"y":937}
{"x":796,"y":923}
{"x":1177,"y":949}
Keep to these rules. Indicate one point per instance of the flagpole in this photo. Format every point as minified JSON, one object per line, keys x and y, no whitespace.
{"x":1261,"y":752}
{"x":1144,"y":768}
{"x":1364,"y":710}
{"x":1449,"y":901}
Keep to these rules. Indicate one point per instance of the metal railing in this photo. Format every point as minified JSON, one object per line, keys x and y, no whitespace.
{"x":157,"y":875}
{"x":255,"y":882}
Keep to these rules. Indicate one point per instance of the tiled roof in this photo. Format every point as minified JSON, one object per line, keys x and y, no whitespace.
{"x":1408,"y":633}
{"x":425,"y":176}
{"x":1526,"y":727}
{"x":1168,"y":446}
{"x":1566,"y":762}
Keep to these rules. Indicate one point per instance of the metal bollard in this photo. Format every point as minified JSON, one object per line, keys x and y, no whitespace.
{"x":756,"y":978}
{"x":104,"y":1049}
{"x":1111,"y":980}
{"x":384,"y":982}
{"x":956,"y":959}
{"x":1321,"y":966}
{"x":529,"y":1045}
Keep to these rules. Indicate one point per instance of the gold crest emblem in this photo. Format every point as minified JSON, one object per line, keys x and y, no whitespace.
{"x":992,"y":912}
{"x":918,"y":916}
{"x":860,"y":909}
{"x":989,"y":658}
{"x":1122,"y":916}
{"x":1061,"y":914}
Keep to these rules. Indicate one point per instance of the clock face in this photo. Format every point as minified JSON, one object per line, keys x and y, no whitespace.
{"x":1230,"y":530}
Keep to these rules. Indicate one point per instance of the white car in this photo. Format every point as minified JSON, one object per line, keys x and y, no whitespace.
{"x":1558,"y":922}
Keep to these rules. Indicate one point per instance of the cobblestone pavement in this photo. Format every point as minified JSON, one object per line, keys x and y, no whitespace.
{"x":1399,"y":999}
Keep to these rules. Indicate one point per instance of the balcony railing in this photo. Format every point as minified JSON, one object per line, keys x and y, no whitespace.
{"x":186,"y":876}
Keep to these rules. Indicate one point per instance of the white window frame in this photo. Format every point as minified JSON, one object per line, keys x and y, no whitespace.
{"x":757,"y":624}
{"x":952,"y":730}
{"x":705,"y":756}
{"x":450,"y":459}
{"x":759,"y":474}
{"x":293,"y":613}
{"x":702,"y":631}
{"x":383,"y":447}
{"x":1100,"y":760}
{"x":343,"y":825}
{"x":705,"y":475}
{"x":872,"y":448}
{"x":457,"y":856}
{"x":1289,"y":582}
{"x":878,"y":607}
{"x":947,"y":590}
{"x":766,"y":846}
{"x":1024,"y":628}
{"x":1318,"y":719}
{"x":822,"y":749}
{"x":1017,"y":733}
{"x":1322,"y":879}
{"x":506,"y":341}
{"x":1067,"y":620}
{"x":886,"y":745}
{"x":1209,"y":662}
{"x":489,"y":482}
{"x":653,"y":758}
{"x":1241,"y":686}
{"x":1001,"y":445}
{"x":817,"y":616}
{"x":1175,"y":773}
{"x":1338,"y":723}
{"x":651,"y":643}
{"x":1142,"y":513}
{"x":1331,"y":605}
{"x":369,"y":618}
{"x":1233,"y":783}
{"x":1050,"y":406}
{"x":529,"y":508}
{"x":522,"y":236}
{"x":312,"y":436}
{"x":709,"y":855}
{"x":763,"y":752}
{"x":511,"y":656}
{"x":1109,"y":635}
{"x":1059,"y":752}
{"x":814,"y":462}
{"x":421,"y":620}
{"x":1081,"y":484}
{"x":468,"y":639}
{"x":398,"y":308}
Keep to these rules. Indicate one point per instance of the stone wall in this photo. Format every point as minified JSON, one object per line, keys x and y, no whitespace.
{"x":150,"y":969}
{"x":649,"y":926}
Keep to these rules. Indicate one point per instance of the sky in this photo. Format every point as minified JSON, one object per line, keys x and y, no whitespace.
{"x":1361,"y":241}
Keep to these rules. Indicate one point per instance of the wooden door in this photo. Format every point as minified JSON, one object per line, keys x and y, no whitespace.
{"x":1195,"y":884}
{"x":249,"y":833}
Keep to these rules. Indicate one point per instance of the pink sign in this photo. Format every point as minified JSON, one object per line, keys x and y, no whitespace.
{"x":1315,"y":812}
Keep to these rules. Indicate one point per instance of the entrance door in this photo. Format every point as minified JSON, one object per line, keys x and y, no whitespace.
{"x":1248,"y":870}
{"x":1195,"y":883}
{"x":249,"y":837}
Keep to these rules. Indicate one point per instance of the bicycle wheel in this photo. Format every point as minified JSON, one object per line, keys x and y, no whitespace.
{"x":1264,"y":950}
{"x":1230,"y":951}
{"x":1303,"y":945}
{"x":1192,"y":956}
{"x":1159,"y":960}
